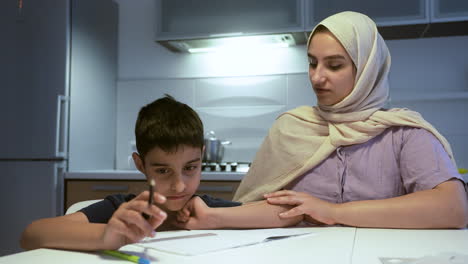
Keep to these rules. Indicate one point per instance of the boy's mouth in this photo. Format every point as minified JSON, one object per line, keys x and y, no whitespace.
{"x":176,"y":197}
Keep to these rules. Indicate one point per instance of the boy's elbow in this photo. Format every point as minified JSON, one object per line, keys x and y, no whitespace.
{"x":27,"y":238}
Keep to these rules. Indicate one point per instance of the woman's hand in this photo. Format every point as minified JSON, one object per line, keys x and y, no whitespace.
{"x":195,"y":215}
{"x":314,"y":210}
{"x":127,"y":224}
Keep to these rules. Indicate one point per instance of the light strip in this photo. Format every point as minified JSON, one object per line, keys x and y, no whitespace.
{"x":231,"y":47}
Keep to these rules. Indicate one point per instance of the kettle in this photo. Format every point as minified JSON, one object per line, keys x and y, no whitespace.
{"x":214,"y":148}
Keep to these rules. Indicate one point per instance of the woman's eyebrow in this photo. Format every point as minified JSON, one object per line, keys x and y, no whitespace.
{"x":335,"y":57}
{"x":331,"y":57}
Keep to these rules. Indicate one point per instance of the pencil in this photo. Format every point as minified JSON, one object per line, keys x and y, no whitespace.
{"x":126,"y":256}
{"x":150,"y":199}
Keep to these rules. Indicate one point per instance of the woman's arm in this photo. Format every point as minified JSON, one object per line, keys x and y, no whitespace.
{"x":445,"y":206}
{"x":197,"y":215}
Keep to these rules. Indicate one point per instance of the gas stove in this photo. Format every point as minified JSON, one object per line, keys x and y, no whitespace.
{"x":226,"y":167}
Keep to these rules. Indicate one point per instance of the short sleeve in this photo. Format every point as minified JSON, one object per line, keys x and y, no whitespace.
{"x":217,"y":202}
{"x":102,"y":211}
{"x":424,"y":163}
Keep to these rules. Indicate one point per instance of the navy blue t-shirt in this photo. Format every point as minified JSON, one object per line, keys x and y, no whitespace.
{"x":102,"y":211}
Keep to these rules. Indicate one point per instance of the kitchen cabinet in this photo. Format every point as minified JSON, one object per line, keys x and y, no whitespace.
{"x":449,"y":10}
{"x":179,"y":21}
{"x":182,"y":19}
{"x":77,"y":190}
{"x":384,"y":13}
{"x":400,"y":19}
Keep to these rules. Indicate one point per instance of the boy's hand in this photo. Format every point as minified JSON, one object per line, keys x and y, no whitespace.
{"x":195,"y":215}
{"x":127,"y":224}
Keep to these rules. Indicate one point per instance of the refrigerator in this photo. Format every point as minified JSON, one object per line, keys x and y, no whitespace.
{"x":48,"y":89}
{"x":34,"y":104}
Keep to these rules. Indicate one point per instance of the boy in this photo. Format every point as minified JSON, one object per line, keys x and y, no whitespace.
{"x":169,"y":140}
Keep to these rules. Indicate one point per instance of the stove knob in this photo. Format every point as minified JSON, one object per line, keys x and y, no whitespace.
{"x":234,"y":166}
{"x":222,"y":166}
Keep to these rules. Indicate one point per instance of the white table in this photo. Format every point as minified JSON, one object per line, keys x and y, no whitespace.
{"x":370,"y":244}
{"x":330,"y":245}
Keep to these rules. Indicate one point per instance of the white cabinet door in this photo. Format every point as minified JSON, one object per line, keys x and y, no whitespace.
{"x":383,"y":12}
{"x":182,"y":19}
{"x":30,"y":190}
{"x":449,"y":10}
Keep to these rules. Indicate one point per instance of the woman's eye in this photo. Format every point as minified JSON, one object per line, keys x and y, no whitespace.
{"x":335,"y":67}
{"x":312,"y":62}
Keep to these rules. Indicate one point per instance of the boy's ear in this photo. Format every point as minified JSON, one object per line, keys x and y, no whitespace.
{"x":138,"y":162}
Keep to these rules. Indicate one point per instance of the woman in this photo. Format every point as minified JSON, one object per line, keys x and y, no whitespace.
{"x":349,"y":161}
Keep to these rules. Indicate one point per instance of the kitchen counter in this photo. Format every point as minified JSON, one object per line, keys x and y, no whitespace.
{"x":136,"y":175}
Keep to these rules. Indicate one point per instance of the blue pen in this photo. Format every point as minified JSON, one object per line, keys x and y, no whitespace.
{"x":126,"y":256}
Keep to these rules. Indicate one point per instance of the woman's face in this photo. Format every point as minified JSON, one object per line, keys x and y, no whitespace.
{"x":331,"y":70}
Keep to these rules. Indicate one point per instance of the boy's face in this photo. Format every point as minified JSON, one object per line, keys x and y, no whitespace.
{"x":177,"y":175}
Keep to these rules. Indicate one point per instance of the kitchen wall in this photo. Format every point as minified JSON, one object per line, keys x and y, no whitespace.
{"x":239,"y":95}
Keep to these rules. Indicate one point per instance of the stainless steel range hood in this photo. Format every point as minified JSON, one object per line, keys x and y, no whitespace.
{"x":235,"y":41}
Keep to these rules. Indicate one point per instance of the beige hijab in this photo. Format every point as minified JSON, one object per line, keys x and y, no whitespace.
{"x":303,"y":137}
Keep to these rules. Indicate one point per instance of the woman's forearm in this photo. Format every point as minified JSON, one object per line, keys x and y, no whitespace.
{"x":253,"y":215}
{"x":442,"y":207}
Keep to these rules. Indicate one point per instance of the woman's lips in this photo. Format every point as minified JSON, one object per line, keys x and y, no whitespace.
{"x":176,"y":197}
{"x":320,"y":90}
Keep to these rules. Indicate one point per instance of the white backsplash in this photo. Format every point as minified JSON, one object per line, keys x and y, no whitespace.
{"x":238,"y":109}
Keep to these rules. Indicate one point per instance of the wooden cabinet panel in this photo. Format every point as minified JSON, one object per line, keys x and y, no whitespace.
{"x":81,"y":190}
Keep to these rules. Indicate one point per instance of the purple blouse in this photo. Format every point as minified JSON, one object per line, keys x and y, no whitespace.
{"x":401,"y":160}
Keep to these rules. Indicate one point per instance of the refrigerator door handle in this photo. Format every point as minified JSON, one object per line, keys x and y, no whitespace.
{"x":61,"y":143}
{"x":59,"y":170}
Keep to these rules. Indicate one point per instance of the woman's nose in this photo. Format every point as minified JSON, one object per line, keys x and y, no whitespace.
{"x":317,"y":77}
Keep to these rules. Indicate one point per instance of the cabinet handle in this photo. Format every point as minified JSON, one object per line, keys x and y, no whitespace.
{"x":61,"y":133}
{"x":215,"y":189}
{"x":113,"y":188}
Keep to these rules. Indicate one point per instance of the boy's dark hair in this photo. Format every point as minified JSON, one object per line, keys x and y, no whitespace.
{"x":167,"y":124}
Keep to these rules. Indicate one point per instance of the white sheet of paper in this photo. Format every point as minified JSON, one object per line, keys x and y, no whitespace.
{"x":197,"y":242}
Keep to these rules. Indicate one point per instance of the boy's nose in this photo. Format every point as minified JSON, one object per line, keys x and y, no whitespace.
{"x":178,"y":185}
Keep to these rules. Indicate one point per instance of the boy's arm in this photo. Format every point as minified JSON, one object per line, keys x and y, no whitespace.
{"x":68,"y":232}
{"x":197,"y":215}
{"x":74,"y":231}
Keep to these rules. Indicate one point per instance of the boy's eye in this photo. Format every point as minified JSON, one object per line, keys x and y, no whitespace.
{"x":162,"y":170}
{"x":191,"y":167}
